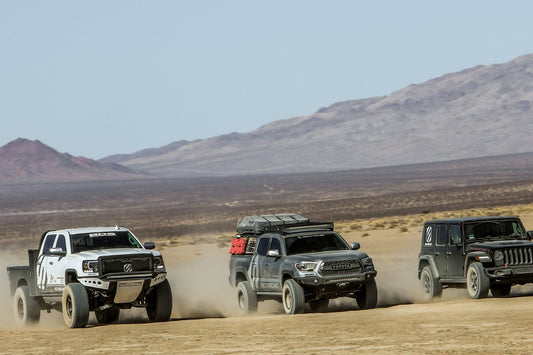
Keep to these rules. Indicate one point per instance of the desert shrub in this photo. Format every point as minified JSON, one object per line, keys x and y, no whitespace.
{"x":365,"y":235}
{"x":404,"y":229}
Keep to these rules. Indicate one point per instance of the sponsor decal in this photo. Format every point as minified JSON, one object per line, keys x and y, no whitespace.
{"x":128,"y":267}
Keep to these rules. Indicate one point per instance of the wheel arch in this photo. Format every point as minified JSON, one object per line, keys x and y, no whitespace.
{"x":427,"y":260}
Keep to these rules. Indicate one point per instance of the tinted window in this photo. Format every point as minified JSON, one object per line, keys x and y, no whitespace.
{"x":48,"y":243}
{"x":275,"y":245}
{"x":442,"y":236}
{"x":314,"y":243}
{"x":106,"y":240}
{"x":262,"y":247}
{"x":60,"y":243}
{"x":455,"y":231}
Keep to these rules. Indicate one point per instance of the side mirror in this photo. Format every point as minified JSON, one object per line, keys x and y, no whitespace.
{"x":57,"y":252}
{"x":355,"y":246}
{"x":149,"y":245}
{"x":530,"y":235}
{"x":273,"y":253}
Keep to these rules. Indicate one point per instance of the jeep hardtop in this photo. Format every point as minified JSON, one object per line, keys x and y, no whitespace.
{"x":476,"y":253}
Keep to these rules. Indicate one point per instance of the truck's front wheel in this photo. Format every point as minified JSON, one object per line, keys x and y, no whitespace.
{"x":27,"y":309}
{"x":367,"y":297}
{"x":293,"y":297}
{"x":159,"y":306}
{"x":246,"y":298}
{"x":75,"y":304}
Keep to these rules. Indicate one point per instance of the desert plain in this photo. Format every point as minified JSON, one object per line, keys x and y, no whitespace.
{"x":204,"y":318}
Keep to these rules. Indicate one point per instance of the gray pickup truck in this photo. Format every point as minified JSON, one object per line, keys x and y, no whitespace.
{"x":287,"y":258}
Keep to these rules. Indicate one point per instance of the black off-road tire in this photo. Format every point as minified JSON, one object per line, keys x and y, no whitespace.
{"x":246,"y":298}
{"x":367,"y":297}
{"x":500,"y":290}
{"x":27,"y":309}
{"x":320,"y":305}
{"x":293,"y":297}
{"x":431,"y":287}
{"x":477,"y":283}
{"x":75,"y":303}
{"x":159,"y":301}
{"x":108,"y":315}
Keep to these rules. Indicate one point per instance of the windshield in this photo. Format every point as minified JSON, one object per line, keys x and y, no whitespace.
{"x":314,"y":243}
{"x":106,"y":240}
{"x":494,"y":230}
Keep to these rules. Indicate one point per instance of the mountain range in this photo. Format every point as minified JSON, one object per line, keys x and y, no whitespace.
{"x":477,"y":112}
{"x":480,"y":111}
{"x":23,"y":160}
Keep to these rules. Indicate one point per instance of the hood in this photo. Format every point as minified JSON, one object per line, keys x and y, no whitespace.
{"x":499,"y":244}
{"x":95,"y":254}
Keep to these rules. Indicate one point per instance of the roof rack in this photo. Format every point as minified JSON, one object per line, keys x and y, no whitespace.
{"x":283,"y":223}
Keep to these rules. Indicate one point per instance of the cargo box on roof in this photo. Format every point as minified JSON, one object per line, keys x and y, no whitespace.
{"x":257,"y":224}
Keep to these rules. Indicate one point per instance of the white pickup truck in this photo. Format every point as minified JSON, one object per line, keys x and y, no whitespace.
{"x":100,"y":269}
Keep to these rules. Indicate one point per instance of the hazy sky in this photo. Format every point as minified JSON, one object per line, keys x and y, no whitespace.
{"x":95,"y":78}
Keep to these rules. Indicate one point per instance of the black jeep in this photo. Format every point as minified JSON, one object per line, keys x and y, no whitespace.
{"x":479,"y":253}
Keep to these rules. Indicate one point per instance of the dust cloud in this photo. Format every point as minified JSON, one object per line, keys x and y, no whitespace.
{"x":200,"y":286}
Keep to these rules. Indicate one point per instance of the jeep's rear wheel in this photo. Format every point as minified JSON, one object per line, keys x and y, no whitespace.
{"x":246,"y":298}
{"x":108,"y":315}
{"x":75,"y":304}
{"x":367,"y":297}
{"x":500,"y":290}
{"x":159,"y":307}
{"x":431,"y":288}
{"x":293,"y":297}
{"x":27,"y":309}
{"x":477,"y":282}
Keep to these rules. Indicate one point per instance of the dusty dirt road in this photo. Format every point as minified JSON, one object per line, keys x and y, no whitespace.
{"x":204,"y":320}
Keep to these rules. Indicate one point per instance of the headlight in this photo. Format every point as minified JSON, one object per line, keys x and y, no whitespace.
{"x":498,"y":257}
{"x":159,"y":265}
{"x":306,"y":265}
{"x":90,"y":266}
{"x":367,"y":261}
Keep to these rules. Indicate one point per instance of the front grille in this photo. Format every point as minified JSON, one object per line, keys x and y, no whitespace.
{"x":340,"y":267}
{"x":518,"y":256}
{"x":126,"y":264}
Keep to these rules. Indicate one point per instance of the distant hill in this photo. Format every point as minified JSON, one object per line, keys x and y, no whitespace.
{"x":23,"y":160}
{"x":477,"y":112}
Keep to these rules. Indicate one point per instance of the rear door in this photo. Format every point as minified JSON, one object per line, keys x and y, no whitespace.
{"x":257,"y":266}
{"x":441,"y":248}
{"x":43,"y":262}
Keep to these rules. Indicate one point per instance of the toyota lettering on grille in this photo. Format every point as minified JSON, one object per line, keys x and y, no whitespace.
{"x":128,"y":267}
{"x":341,"y":266}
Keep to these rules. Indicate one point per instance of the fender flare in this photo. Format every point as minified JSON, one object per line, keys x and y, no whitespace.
{"x":432,"y":264}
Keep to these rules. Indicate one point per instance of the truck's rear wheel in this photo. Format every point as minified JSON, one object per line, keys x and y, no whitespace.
{"x":477,"y":282}
{"x":246,"y":298}
{"x":75,"y":304}
{"x":159,"y":306}
{"x":319,"y":305}
{"x":108,"y":315}
{"x":293,"y":297}
{"x":27,"y":309}
{"x":367,"y":297}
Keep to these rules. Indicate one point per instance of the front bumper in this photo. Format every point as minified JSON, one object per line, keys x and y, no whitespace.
{"x":107,"y":282}
{"x":341,"y":281}
{"x":514,"y":274}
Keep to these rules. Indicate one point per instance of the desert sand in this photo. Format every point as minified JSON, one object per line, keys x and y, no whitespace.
{"x":204,"y":319}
